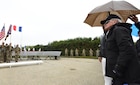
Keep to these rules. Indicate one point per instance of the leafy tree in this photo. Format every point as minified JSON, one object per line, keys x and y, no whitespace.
{"x":79,"y":43}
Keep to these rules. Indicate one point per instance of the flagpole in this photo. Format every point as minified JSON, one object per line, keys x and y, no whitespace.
{"x":11,"y":34}
{"x":10,"y":38}
{"x":21,"y":40}
{"x":20,"y":30}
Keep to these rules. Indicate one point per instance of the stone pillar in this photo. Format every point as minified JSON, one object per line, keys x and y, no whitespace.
{"x":76,"y":52}
{"x":97,"y":52}
{"x":90,"y":52}
{"x":39,"y":49}
{"x":71,"y":52}
{"x":83,"y":52}
{"x":66,"y":52}
{"x":33,"y":49}
{"x":29,"y":49}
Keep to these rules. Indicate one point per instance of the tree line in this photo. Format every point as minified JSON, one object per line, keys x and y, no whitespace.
{"x":79,"y":43}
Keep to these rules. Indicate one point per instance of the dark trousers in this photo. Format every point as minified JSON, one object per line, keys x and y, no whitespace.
{"x":117,"y":81}
{"x":134,"y":84}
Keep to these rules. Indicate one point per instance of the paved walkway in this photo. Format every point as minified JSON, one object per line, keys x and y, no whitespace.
{"x":66,"y":71}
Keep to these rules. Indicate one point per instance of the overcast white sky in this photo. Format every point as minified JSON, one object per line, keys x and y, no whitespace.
{"x":45,"y":21}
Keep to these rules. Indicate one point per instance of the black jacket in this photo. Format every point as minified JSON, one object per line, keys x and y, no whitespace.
{"x":121,"y":54}
{"x":138,"y":41}
{"x":137,"y":25}
{"x":138,"y":48}
{"x":102,"y":47}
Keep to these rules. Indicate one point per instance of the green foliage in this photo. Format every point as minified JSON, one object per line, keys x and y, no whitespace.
{"x":79,"y":43}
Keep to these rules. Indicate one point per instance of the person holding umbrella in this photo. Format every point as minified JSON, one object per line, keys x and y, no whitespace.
{"x":121,"y":59}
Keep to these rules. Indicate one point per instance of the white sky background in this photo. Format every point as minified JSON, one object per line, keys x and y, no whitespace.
{"x":45,"y":21}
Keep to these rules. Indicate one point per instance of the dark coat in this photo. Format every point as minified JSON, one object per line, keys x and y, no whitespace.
{"x":102,"y":47}
{"x":121,"y":54}
{"x":138,"y":41}
{"x":137,"y":25}
{"x":138,"y":48}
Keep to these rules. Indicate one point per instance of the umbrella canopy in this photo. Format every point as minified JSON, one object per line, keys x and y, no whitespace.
{"x":121,"y":8}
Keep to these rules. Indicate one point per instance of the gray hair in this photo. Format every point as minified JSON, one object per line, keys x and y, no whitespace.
{"x":118,"y":20}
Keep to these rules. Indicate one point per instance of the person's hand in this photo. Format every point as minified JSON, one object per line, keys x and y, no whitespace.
{"x":134,"y":18}
{"x":100,"y":59}
{"x":118,"y":71}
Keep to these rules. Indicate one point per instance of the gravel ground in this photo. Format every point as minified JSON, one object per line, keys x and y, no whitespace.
{"x":65,"y":71}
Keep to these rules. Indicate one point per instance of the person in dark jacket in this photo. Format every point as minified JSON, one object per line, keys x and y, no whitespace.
{"x":138,"y":45}
{"x":134,"y":18}
{"x":121,"y":58}
{"x":102,"y":58}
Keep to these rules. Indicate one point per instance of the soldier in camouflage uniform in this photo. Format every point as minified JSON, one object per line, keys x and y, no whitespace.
{"x":8,"y":52}
{"x":1,"y":57}
{"x":17,"y":52}
{"x":2,"y":53}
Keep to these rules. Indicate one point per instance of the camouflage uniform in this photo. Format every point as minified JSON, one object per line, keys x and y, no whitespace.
{"x":2,"y":53}
{"x":17,"y":52}
{"x":1,"y":58}
{"x":8,"y":53}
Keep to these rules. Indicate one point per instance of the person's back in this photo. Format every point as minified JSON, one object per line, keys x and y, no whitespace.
{"x":17,"y":52}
